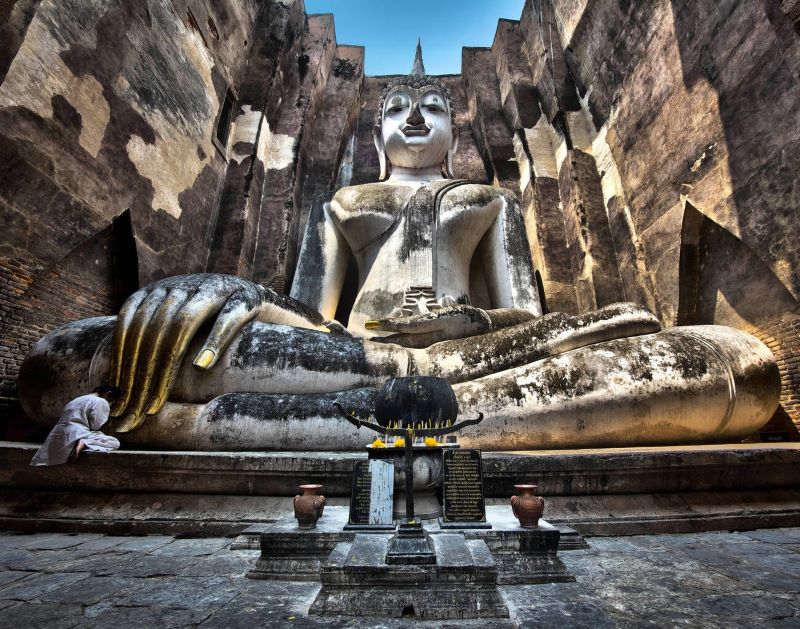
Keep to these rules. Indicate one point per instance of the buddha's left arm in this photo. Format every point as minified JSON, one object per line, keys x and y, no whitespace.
{"x":507,"y":265}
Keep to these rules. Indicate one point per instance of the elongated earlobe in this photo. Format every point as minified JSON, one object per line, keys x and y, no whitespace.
{"x":377,"y":138}
{"x":447,"y":167}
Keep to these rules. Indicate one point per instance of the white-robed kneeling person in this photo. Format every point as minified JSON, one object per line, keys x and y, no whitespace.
{"x":78,"y":429}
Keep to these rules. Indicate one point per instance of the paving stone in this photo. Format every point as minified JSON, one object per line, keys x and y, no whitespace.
{"x":193,"y":547}
{"x":613,"y":545}
{"x":92,"y":590}
{"x":103,"y":543}
{"x":59,"y":541}
{"x":147,"y":566}
{"x":770,"y":580}
{"x":144,"y":618}
{"x":790,"y":622}
{"x":98,"y":563}
{"x":750,"y":606}
{"x":775,"y":536}
{"x":14,"y":558}
{"x":41,"y":560}
{"x":235,"y":563}
{"x":9,"y":576}
{"x":753,"y":549}
{"x":14,"y":540}
{"x":183,"y":593}
{"x":145,"y":543}
{"x":711,"y":580}
{"x":263,"y":611}
{"x":35,"y":615}
{"x":790,"y":564}
{"x":669,"y":540}
{"x":557,"y":607}
{"x":711,"y":556}
{"x":699,"y":580}
{"x":285,"y":604}
{"x":39,"y":585}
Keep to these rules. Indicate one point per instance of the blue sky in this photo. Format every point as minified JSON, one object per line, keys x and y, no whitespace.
{"x":389,"y":30}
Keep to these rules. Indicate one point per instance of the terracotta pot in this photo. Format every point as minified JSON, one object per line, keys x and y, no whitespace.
{"x":527,"y":507}
{"x":308,"y":507}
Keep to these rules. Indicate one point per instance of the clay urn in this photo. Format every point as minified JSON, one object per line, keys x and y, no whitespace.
{"x":527,"y":507}
{"x":308,"y":506}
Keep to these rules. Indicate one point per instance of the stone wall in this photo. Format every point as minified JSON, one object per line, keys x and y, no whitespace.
{"x":108,"y":116}
{"x":654,"y":146}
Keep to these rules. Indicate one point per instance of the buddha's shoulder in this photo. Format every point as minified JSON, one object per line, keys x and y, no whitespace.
{"x":369,"y":197}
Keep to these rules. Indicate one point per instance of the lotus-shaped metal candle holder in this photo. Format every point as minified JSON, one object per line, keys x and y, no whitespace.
{"x":423,"y":406}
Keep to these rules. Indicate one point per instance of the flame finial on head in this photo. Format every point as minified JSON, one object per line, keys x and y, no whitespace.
{"x":418,"y":69}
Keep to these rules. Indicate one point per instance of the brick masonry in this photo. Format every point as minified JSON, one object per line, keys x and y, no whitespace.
{"x":34,"y":302}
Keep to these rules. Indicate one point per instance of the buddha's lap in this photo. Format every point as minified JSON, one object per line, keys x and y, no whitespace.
{"x":670,"y":387}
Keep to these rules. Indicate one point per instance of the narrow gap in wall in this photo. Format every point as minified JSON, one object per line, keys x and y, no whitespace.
{"x":224,"y":121}
{"x":124,"y":256}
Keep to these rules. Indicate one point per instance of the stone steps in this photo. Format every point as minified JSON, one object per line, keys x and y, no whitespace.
{"x":598,"y":492}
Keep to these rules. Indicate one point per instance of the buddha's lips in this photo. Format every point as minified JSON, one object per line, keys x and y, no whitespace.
{"x":421,"y":129}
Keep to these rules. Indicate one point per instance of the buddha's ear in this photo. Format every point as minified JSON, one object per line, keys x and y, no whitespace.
{"x":447,"y":169}
{"x":377,"y":138}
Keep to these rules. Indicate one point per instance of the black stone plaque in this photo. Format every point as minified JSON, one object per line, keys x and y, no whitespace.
{"x":360,"y":494}
{"x":463,"y":489}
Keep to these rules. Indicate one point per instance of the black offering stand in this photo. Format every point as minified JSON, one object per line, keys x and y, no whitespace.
{"x":417,"y":406}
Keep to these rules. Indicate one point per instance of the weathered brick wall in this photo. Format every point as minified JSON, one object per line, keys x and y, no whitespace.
{"x":35,"y":301}
{"x":782,"y":336}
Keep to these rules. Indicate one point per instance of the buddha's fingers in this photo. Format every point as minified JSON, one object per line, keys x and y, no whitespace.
{"x":133,"y":341}
{"x":124,"y":320}
{"x":242,"y":307}
{"x":150,"y":353}
{"x":203,"y":305}
{"x":417,"y":324}
{"x":416,"y":341}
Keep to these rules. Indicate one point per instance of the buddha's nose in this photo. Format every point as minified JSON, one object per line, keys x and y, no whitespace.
{"x":415,"y":117}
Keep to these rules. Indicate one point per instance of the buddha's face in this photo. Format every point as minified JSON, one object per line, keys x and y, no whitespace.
{"x":416,"y":128}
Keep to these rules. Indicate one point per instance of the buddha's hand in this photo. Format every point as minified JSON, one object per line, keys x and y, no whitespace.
{"x":157,"y":323}
{"x":423,"y":330}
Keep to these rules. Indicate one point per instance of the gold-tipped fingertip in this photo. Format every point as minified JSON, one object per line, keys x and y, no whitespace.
{"x":130,"y":422}
{"x":204,"y":359}
{"x":154,"y":406}
{"x":372,"y":324}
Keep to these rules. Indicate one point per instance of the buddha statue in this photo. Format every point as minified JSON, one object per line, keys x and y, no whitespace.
{"x":217,"y":362}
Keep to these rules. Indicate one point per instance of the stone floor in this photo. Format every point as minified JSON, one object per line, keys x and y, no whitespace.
{"x":699,"y":580}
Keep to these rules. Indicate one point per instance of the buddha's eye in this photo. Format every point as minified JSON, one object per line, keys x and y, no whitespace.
{"x":433,"y":107}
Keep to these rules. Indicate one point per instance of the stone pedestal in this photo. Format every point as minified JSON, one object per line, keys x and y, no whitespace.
{"x":411,"y":545}
{"x":289,"y":553}
{"x":357,"y":581}
{"x":520,"y":555}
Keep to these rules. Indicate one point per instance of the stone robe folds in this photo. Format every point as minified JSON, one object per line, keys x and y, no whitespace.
{"x":82,"y":418}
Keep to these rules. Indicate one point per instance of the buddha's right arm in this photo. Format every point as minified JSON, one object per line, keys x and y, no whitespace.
{"x":157,"y":323}
{"x":322,"y":263}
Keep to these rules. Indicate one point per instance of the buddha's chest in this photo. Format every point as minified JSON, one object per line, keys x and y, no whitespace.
{"x":424,"y":220}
